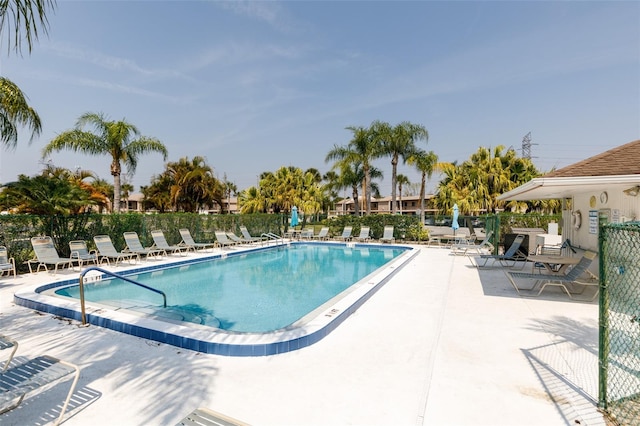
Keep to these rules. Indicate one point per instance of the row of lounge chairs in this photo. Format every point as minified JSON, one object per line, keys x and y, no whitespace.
{"x":47,"y":256}
{"x":364,"y":236}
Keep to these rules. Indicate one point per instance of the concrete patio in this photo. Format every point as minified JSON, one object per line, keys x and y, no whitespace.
{"x":442,"y":343}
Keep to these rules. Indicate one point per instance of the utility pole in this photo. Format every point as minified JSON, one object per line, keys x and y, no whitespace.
{"x":526,"y":146}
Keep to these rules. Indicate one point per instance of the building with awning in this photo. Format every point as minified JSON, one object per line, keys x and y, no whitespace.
{"x":605,"y":187}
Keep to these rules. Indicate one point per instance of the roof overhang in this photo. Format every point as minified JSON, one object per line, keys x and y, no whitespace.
{"x":566,"y":187}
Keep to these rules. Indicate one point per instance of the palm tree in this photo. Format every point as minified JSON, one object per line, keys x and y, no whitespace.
{"x":426,"y":163}
{"x":113,"y":138}
{"x":397,"y":142}
{"x":15,"y":112}
{"x":360,"y":150}
{"x":401,"y":180}
{"x":28,"y":16}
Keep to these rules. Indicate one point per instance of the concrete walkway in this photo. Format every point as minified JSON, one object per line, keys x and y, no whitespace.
{"x":442,"y":343}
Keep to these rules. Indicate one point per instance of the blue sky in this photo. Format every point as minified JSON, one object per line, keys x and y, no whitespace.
{"x":253,"y":86}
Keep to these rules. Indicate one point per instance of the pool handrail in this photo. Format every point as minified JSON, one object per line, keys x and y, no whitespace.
{"x":113,"y":274}
{"x":270,"y":236}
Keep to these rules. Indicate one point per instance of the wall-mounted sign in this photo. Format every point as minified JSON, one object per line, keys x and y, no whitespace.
{"x":593,"y":221}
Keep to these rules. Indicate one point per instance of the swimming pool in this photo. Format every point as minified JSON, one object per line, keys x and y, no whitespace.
{"x":238,"y":298}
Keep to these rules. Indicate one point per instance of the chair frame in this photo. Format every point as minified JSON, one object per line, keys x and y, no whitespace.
{"x":104,"y":242}
{"x":364,"y":236}
{"x":222,"y":239}
{"x":323,"y":235}
{"x":33,"y":375}
{"x":346,"y":234}
{"x":387,"y":235}
{"x":247,"y":236}
{"x":559,"y":280}
{"x":509,"y":258}
{"x":160,"y":243}
{"x":464,"y":249}
{"x":134,"y":245}
{"x":81,"y":253}
{"x":45,"y":250}
{"x":7,"y":264}
{"x":188,"y":241}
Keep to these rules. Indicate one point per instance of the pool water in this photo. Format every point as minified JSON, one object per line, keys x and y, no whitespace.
{"x":255,"y":292}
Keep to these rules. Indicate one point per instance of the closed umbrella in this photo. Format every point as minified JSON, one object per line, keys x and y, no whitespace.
{"x":294,"y":216}
{"x":454,"y":222}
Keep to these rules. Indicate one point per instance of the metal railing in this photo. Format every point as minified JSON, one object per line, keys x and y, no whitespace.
{"x":113,"y":274}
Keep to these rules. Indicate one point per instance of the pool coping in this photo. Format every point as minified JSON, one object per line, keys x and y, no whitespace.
{"x":215,"y":341}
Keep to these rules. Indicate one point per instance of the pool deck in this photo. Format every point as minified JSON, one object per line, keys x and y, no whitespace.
{"x":442,"y":343}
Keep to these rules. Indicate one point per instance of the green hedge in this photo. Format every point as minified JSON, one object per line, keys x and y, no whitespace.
{"x":16,"y":230}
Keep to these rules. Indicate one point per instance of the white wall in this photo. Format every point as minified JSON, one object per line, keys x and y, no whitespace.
{"x":627,"y":206}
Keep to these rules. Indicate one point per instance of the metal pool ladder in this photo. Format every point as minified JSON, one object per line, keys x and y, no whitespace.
{"x":113,"y":274}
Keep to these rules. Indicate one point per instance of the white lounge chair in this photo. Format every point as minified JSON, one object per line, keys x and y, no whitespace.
{"x":46,"y":254}
{"x":135,"y":246}
{"x":223,"y":240}
{"x":206,"y":417}
{"x":107,"y":251}
{"x":323,"y":234}
{"x":346,"y":234}
{"x":81,"y":253}
{"x":247,"y":236}
{"x":31,"y":376}
{"x":160,"y":243}
{"x":387,"y":235}
{"x":7,"y":264}
{"x":364,"y":234}
{"x":188,"y":241}
{"x":484,"y":247}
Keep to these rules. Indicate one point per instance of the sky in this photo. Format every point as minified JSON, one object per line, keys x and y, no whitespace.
{"x":254,"y":86}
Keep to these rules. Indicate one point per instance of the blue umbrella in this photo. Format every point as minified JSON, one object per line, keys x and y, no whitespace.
{"x":454,"y":222}
{"x":294,"y":216}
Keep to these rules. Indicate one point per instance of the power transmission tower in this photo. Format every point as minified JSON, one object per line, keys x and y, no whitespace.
{"x":526,"y":146}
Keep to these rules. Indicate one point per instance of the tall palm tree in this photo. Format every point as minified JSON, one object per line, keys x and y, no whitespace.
{"x":360,"y":150}
{"x":401,"y":180}
{"x":397,"y":142}
{"x":15,"y":112}
{"x":119,"y":139}
{"x":426,"y":163}
{"x":28,"y":18}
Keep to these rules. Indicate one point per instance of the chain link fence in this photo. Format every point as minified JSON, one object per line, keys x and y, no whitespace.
{"x":619,"y":381}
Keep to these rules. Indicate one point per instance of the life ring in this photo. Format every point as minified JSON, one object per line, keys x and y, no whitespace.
{"x":576,"y":219}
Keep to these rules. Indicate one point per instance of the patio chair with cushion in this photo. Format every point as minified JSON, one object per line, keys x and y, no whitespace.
{"x":46,"y":254}
{"x":7,"y":264}
{"x":107,"y":251}
{"x":509,"y":259}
